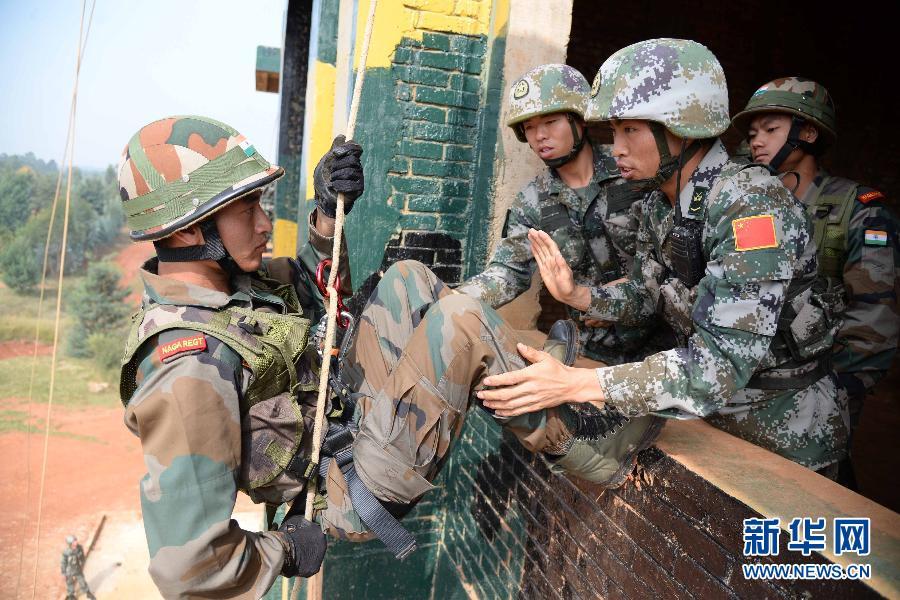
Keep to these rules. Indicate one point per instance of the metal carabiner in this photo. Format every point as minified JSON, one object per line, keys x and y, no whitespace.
{"x":343,"y":319}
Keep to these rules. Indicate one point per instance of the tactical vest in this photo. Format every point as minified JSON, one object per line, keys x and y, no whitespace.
{"x":830,"y":213}
{"x":271,"y":345}
{"x":555,"y":216}
{"x":73,"y":561}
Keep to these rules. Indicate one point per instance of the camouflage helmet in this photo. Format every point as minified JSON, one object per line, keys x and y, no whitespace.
{"x":544,"y":90}
{"x":797,"y":96}
{"x":677,"y":83}
{"x":178,"y":170}
{"x":71,"y":539}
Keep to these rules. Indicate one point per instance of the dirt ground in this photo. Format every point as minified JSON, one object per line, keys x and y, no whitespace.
{"x":14,"y":348}
{"x":130,"y":260}
{"x":92,"y":467}
{"x":93,"y":470}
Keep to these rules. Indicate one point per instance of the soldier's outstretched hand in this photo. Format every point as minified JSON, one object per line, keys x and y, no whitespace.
{"x":556,"y":272}
{"x":543,"y":384}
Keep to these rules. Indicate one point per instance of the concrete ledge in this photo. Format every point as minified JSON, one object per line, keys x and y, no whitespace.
{"x":776,"y":487}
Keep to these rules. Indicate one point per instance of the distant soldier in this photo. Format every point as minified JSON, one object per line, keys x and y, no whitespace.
{"x":789,"y":123}
{"x":724,"y":253}
{"x":579,"y":200}
{"x":72,"y":568}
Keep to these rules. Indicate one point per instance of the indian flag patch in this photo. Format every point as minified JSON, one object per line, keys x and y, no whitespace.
{"x":874,"y":237}
{"x":247,"y":147}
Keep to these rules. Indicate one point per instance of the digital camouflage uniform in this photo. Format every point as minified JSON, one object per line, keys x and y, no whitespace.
{"x":856,"y":237}
{"x":594,"y":226}
{"x":221,"y":387}
{"x":760,"y":266}
{"x":72,"y":568}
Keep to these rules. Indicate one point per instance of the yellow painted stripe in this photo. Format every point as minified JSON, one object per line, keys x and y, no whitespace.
{"x":284,"y":238}
{"x":321,"y":119}
{"x":410,"y":18}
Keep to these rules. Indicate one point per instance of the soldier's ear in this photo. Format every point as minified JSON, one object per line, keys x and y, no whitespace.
{"x":189,"y":236}
{"x":810,"y":133}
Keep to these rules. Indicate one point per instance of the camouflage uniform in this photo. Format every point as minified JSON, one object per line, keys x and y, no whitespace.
{"x":741,"y":366}
{"x":856,"y":237}
{"x":221,"y":388}
{"x":72,"y":568}
{"x":418,"y":353}
{"x":866,"y":284}
{"x":594,"y":227}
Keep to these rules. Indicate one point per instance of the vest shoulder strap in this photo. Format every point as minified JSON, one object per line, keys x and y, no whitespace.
{"x":832,"y":210}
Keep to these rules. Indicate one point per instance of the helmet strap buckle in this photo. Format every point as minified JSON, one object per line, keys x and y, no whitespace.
{"x":578,"y":141}
{"x":212,"y":248}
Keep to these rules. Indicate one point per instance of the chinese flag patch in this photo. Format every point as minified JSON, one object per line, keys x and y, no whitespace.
{"x":192,"y":343}
{"x":754,"y":233}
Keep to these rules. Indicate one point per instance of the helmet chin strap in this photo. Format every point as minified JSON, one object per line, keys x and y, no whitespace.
{"x":792,"y":143}
{"x":211,"y":249}
{"x":668,"y":164}
{"x":579,"y":140}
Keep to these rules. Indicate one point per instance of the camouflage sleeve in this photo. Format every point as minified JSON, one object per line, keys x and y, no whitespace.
{"x":186,"y":413}
{"x":317,"y":249}
{"x":735,"y":315}
{"x":512,"y":265}
{"x":871,"y":327}
{"x":631,"y":302}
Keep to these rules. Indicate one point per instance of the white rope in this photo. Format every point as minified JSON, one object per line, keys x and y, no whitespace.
{"x":82,"y":43}
{"x":315,"y":591}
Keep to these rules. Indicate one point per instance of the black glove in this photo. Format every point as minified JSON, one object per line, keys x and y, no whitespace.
{"x":339,"y":171}
{"x":307,"y":547}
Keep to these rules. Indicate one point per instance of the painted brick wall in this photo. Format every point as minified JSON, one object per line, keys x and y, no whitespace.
{"x":438,"y":89}
{"x":513,"y":529}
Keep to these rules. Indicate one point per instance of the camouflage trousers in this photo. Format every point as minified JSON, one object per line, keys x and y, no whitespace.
{"x":70,"y":585}
{"x":420,"y":352}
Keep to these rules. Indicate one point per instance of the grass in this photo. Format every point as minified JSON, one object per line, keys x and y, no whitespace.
{"x":18,"y":420}
{"x":19,"y":315}
{"x":71,"y":387}
{"x":18,"y":319}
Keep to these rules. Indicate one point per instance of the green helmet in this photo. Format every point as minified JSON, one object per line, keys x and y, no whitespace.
{"x":796,"y":96}
{"x":179,"y":170}
{"x":544,"y":90}
{"x":677,"y":83}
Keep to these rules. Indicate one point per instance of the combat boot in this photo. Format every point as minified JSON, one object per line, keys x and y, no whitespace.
{"x":584,"y":421}
{"x":608,"y":461}
{"x":562,"y":342}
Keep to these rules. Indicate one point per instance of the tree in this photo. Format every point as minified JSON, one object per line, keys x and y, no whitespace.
{"x":97,"y":303}
{"x":15,"y":198}
{"x":21,"y":265}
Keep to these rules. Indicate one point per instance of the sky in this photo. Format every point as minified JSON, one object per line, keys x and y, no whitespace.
{"x":144,"y":59}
